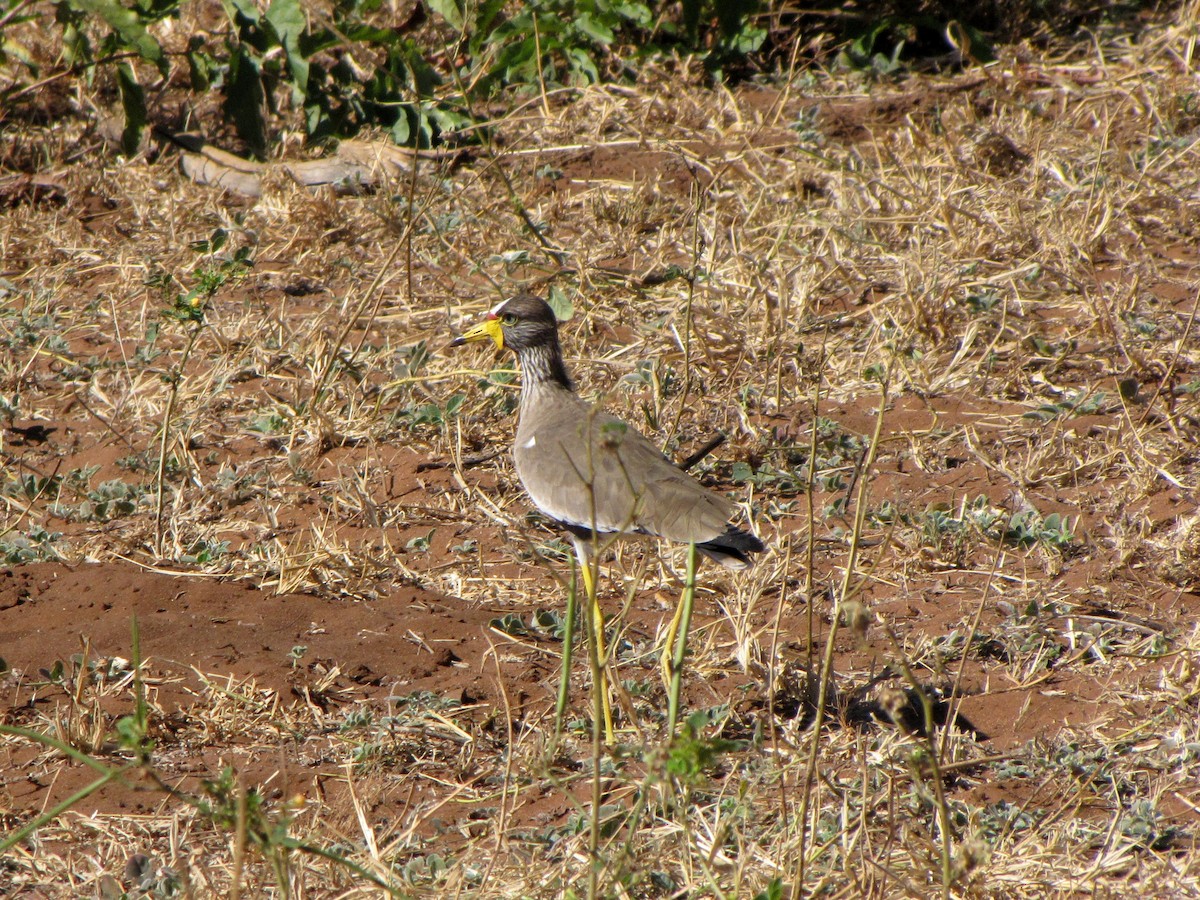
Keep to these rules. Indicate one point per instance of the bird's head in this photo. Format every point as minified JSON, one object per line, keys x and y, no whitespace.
{"x":521,"y":323}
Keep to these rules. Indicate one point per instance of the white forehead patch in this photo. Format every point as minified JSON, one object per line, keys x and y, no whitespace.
{"x":496,"y":309}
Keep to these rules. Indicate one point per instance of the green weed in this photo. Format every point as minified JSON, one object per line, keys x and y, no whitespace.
{"x":36,"y":545}
{"x":428,"y":415}
{"x":109,"y":500}
{"x":202,"y":552}
{"x":693,"y":754}
{"x":1077,"y":403}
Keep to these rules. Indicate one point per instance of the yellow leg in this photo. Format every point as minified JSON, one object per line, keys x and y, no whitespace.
{"x":667,"y":659}
{"x":601,"y":656}
{"x":679,"y":644}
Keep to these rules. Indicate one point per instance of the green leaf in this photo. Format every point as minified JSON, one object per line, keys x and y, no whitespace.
{"x":423,"y":76}
{"x":561,"y":304}
{"x":582,"y":64}
{"x":245,"y":101}
{"x":517,"y":62}
{"x":401,"y":133}
{"x":510,"y":624}
{"x":450,"y":11}
{"x":128,"y":27}
{"x":315,"y":118}
{"x":597,"y":31}
{"x":133,"y":100}
{"x":76,"y":46}
{"x":746,"y":41}
{"x":977,"y":46}
{"x":288,"y":20}
{"x":200,"y":66}
{"x":482,"y":31}
{"x":10,"y":50}
{"x":360,"y":34}
{"x":691,"y":20}
{"x":245,"y":8}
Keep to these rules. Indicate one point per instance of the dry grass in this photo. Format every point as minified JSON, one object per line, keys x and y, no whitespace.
{"x":1014,"y":250}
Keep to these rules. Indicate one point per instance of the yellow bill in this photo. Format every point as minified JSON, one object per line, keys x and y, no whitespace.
{"x":488,"y":328}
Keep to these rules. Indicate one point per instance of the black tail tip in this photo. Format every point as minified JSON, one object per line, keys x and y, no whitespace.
{"x":733,"y":548}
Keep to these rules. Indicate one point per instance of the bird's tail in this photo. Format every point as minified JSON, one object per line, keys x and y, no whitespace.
{"x":732,"y":549}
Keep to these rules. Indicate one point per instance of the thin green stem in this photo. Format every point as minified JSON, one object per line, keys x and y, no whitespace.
{"x":564,"y":678}
{"x":54,"y":812}
{"x":352,"y":321}
{"x":939,"y":791}
{"x":826,"y":676}
{"x":164,"y":437}
{"x":685,"y":394}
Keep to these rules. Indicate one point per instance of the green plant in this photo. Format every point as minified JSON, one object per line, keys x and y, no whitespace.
{"x":426,"y":870}
{"x":692,"y":754}
{"x":879,"y":48}
{"x":1054,"y":351}
{"x":981,"y":302}
{"x":109,"y":500}
{"x":317,"y":60}
{"x":224,"y":800}
{"x":147,"y":876}
{"x":411,"y":360}
{"x":24,"y":327}
{"x":1028,"y":527}
{"x":555,"y":42}
{"x":942,"y":527}
{"x":30,"y":486}
{"x":10,"y":406}
{"x":235,"y":807}
{"x":1139,"y":326}
{"x":767,"y":476}
{"x":1077,"y":403}
{"x":1027,"y":640}
{"x":773,"y":891}
{"x":36,"y":545}
{"x":131,"y":731}
{"x":313,"y":58}
{"x":544,"y":621}
{"x":652,"y":373}
{"x":189,"y":309}
{"x":1002,"y":819}
{"x":575,"y":42}
{"x":426,"y":415}
{"x":421,"y":543}
{"x":271,"y":422}
{"x":124,"y":36}
{"x":202,"y":552}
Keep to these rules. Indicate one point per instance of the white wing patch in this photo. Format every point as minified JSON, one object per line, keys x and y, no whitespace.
{"x":531,"y":443}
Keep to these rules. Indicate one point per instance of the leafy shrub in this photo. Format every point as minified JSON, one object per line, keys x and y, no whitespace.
{"x":352,"y":67}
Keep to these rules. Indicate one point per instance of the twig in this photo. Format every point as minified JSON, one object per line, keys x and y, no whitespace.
{"x":712,"y":444}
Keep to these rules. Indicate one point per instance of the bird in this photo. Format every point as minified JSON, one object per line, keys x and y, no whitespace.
{"x":593,"y":473}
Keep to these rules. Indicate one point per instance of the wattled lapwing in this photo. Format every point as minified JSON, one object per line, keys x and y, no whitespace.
{"x":592,"y":472}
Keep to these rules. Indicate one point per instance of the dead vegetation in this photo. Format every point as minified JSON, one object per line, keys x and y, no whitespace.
{"x":1004,"y":260}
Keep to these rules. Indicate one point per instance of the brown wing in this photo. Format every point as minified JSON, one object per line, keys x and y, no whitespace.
{"x":590,"y":469}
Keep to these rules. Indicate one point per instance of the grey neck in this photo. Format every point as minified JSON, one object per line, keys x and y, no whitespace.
{"x":542,"y":366}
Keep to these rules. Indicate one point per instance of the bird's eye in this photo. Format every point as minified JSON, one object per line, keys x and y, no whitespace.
{"x":509,"y":319}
